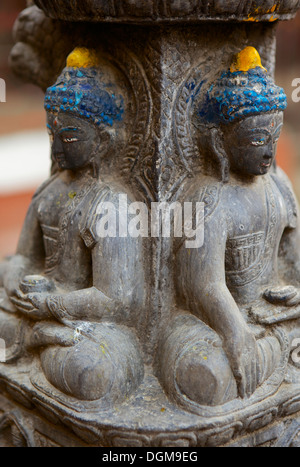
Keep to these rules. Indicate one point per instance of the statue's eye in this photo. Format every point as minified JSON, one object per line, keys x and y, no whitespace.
{"x":258,"y":142}
{"x":70,"y":140}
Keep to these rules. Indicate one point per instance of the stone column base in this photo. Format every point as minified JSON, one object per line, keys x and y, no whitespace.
{"x":34,"y":413}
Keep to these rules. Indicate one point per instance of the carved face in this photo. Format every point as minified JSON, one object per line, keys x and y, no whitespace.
{"x":73,"y":141}
{"x":251,"y":143}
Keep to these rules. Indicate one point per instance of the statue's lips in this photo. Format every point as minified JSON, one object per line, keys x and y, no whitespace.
{"x":266,"y":164}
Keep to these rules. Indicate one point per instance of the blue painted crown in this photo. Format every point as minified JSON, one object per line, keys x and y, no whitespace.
{"x":241,"y":93}
{"x":80,"y":92}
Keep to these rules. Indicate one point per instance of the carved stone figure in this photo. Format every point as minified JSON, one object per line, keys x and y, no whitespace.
{"x":65,"y":276}
{"x":114,"y":340}
{"x":239,"y":283}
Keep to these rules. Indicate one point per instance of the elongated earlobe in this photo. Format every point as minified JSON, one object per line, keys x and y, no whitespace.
{"x":105,"y":143}
{"x":220,"y":152}
{"x":101,"y":151}
{"x":95,"y":169}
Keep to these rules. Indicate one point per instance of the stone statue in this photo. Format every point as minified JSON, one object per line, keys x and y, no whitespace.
{"x":115,"y":340}
{"x":79,"y":292}
{"x":242,"y":282}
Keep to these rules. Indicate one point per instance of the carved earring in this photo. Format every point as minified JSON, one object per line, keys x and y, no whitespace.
{"x":224,"y":169}
{"x":221,"y":154}
{"x":94,"y":164}
{"x":95,"y":171}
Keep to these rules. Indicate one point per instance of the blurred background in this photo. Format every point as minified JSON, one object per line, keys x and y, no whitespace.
{"x":24,"y":146}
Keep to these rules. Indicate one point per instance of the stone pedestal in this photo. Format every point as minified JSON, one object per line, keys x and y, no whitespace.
{"x":163,"y":52}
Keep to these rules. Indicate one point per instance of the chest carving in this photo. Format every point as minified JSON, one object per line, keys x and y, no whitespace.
{"x":244,"y":251}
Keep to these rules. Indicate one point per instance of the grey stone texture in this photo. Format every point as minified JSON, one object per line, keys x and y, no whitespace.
{"x":141,"y":341}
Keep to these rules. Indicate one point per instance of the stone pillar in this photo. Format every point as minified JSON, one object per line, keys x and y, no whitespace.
{"x":164,"y":51}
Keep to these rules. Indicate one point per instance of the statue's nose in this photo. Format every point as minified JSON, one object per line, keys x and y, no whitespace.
{"x":269,"y":153}
{"x":57,"y":146}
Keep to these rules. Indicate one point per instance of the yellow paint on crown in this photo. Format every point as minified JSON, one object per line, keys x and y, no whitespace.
{"x":258,"y":12}
{"x":82,"y":58}
{"x":246,"y":60}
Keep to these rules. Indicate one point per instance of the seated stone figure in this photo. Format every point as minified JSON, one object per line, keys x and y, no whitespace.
{"x":79,"y":294}
{"x":243,"y":281}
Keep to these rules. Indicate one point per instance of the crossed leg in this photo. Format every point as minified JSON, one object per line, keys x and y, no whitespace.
{"x":192,"y":363}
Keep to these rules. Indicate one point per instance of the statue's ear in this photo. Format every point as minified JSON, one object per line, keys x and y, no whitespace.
{"x":217,"y":144}
{"x":106,"y":139}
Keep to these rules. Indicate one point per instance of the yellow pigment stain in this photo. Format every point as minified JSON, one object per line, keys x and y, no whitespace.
{"x":102,"y":349}
{"x":252,"y":18}
{"x":82,"y":58}
{"x":273,"y":19}
{"x":246,"y":60}
{"x":162,"y":410}
{"x":72,"y":194}
{"x":261,"y":11}
{"x":59,"y":201}
{"x":201,"y":353}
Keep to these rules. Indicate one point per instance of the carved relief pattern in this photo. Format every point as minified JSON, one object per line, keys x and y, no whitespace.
{"x":183,"y":115}
{"x":22,"y":432}
{"x":164,"y":78}
{"x":143,"y":116}
{"x":242,"y":252}
{"x":41,"y":47}
{"x":25,"y":431}
{"x":160,"y":10}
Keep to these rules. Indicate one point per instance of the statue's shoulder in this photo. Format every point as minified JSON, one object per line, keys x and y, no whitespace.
{"x":43,"y":187}
{"x":102,"y":199}
{"x":284,"y":185}
{"x":210,"y":192}
{"x":97,"y":195}
{"x":206,"y":190}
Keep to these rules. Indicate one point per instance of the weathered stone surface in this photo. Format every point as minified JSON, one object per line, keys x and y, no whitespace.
{"x":169,"y":10}
{"x":104,"y":335}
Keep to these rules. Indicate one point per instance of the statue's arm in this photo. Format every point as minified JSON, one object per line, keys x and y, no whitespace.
{"x":289,"y":249}
{"x":289,"y":256}
{"x":118,"y":285}
{"x":30,"y":255}
{"x":202,"y":281}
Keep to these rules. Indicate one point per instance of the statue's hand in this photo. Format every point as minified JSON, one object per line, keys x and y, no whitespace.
{"x":33,"y":305}
{"x":242,"y":352}
{"x":285,"y":296}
